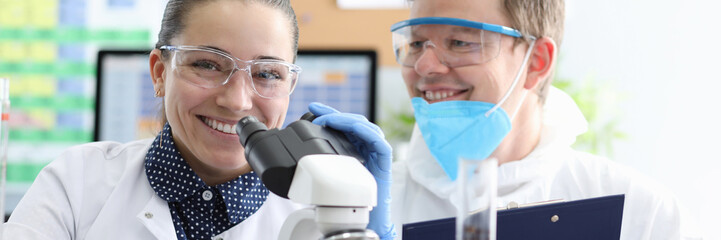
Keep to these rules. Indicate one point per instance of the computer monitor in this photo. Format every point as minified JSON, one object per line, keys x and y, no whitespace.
{"x":344,"y":80}
{"x":126,"y":108}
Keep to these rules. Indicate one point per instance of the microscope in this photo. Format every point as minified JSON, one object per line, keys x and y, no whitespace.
{"x":316,"y":166}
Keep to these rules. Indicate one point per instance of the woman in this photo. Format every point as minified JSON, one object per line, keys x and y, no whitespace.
{"x":215,"y":62}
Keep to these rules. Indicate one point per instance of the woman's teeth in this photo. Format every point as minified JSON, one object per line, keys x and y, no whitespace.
{"x":220,"y":126}
{"x":438,"y":95}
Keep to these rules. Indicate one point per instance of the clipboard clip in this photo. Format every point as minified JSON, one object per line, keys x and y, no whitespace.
{"x":514,"y":205}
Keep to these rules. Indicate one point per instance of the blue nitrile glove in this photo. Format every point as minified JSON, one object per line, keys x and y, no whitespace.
{"x":371,"y":143}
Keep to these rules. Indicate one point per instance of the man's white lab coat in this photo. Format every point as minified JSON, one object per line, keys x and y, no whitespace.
{"x":100,"y":191}
{"x":421,"y":190}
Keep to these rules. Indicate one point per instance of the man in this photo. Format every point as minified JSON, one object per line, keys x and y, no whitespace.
{"x":495,"y":58}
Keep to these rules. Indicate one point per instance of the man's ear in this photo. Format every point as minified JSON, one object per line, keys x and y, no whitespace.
{"x":541,"y":63}
{"x":157,"y":72}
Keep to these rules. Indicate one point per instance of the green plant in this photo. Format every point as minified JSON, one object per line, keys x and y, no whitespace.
{"x":598,"y":101}
{"x":398,"y":124}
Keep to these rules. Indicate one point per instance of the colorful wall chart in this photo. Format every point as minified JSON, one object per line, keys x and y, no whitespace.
{"x":48,"y":50}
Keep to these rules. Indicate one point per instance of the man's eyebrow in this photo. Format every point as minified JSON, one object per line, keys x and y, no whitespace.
{"x":420,"y":32}
{"x":456,"y":29}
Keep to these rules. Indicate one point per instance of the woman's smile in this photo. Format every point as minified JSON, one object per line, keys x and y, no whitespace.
{"x":228,"y":128}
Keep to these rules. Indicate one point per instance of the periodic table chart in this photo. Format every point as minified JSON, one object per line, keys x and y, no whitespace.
{"x":48,"y":51}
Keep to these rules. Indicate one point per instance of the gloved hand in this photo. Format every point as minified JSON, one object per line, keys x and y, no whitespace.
{"x":371,"y":143}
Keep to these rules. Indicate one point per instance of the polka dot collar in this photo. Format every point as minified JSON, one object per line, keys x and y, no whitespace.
{"x":174,"y":181}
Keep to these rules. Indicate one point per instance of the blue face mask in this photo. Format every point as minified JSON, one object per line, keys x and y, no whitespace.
{"x":464,"y":129}
{"x":456,"y":129}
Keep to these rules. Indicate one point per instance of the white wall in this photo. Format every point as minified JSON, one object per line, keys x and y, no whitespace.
{"x":662,"y":56}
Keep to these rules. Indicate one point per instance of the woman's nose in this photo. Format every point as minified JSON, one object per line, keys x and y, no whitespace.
{"x":237,"y":94}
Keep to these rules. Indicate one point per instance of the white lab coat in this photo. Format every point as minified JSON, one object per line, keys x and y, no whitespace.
{"x":100,"y":191}
{"x":553,"y":170}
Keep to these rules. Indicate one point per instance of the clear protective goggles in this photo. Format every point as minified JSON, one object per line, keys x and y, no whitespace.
{"x":210,"y":68}
{"x":455,"y":42}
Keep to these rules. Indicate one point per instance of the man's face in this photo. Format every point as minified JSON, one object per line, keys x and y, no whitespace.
{"x":488,"y":82}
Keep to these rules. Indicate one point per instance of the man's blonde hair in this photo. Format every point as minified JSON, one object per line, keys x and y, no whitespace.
{"x":538,"y":18}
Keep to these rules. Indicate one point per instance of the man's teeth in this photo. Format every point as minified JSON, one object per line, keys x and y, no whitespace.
{"x":220,"y":126}
{"x":438,"y":95}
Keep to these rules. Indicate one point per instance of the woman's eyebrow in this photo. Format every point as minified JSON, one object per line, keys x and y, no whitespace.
{"x":216,"y":48}
{"x":266,"y":57}
{"x":259,"y":57}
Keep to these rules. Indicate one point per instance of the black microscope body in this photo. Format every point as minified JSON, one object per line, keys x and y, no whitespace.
{"x":274,"y":154}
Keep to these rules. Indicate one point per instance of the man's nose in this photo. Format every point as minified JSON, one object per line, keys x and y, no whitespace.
{"x":237,"y":94}
{"x":431,"y":61}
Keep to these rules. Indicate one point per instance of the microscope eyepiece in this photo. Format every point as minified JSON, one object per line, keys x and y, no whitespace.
{"x":309,"y":116}
{"x":247,"y":126}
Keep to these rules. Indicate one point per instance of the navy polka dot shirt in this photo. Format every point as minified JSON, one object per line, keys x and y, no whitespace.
{"x":199,"y":211}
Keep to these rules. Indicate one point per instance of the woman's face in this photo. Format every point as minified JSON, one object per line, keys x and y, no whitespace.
{"x":246,"y":31}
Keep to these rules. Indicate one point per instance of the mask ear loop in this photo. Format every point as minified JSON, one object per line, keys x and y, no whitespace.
{"x":525,"y":92}
{"x":515,"y":82}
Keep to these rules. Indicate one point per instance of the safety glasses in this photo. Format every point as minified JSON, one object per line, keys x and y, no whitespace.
{"x":455,"y":42}
{"x":210,"y":68}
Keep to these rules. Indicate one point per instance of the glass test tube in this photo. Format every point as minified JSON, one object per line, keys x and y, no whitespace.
{"x":4,"y":117}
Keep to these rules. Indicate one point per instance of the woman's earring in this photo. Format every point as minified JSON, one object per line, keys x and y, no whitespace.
{"x":160,"y":144}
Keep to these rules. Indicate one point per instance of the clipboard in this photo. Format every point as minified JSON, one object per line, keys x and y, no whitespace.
{"x":594,"y":218}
